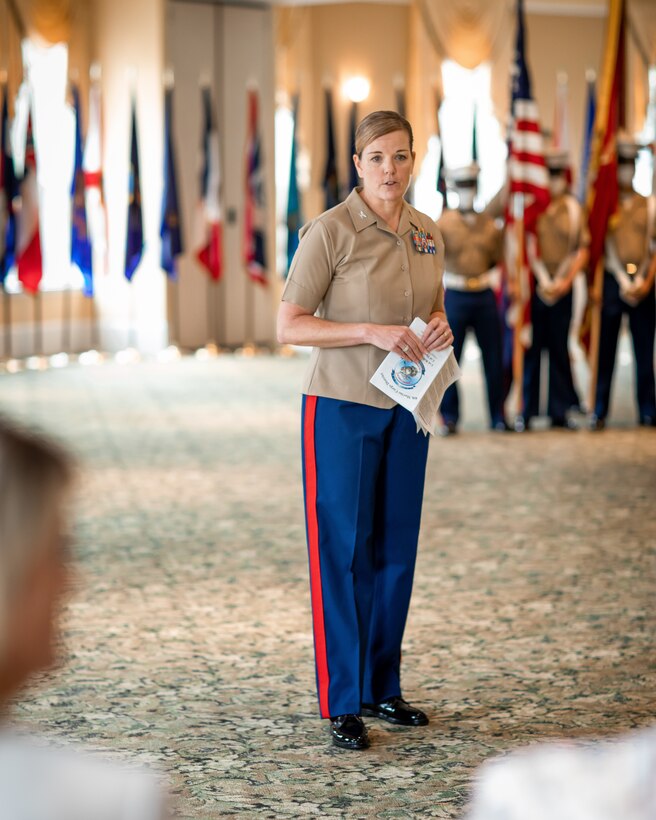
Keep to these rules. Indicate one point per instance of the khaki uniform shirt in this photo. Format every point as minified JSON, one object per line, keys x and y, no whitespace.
{"x":557,"y":237}
{"x":628,"y":230}
{"x":472,"y":241}
{"x":350,"y":266}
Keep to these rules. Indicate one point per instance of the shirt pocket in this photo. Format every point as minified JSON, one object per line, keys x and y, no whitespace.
{"x":425,"y":283}
{"x":347,"y":298}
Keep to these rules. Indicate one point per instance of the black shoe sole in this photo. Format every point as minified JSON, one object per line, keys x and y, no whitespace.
{"x":393,"y":720}
{"x":352,"y":747}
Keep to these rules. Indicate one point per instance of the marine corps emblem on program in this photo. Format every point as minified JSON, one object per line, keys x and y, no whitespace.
{"x":408,"y":374}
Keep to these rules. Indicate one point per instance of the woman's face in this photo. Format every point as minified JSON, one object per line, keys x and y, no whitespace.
{"x":33,"y":624}
{"x":386,"y":166}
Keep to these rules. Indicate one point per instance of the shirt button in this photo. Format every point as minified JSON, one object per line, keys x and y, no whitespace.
{"x":398,"y":242}
{"x":404,"y":267}
{"x":406,"y":293}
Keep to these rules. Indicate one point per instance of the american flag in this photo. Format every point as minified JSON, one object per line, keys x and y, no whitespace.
{"x":529,"y":180}
{"x":528,"y":198}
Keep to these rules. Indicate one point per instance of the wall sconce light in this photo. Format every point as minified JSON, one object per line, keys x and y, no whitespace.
{"x":356,"y":89}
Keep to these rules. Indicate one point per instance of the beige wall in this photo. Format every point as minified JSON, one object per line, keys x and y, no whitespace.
{"x":132,"y":59}
{"x":326,"y":44}
{"x":232,"y":48}
{"x":384,"y":40}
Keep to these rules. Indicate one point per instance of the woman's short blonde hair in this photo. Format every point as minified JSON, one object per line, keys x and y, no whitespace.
{"x":34,"y":476}
{"x":377,"y":124}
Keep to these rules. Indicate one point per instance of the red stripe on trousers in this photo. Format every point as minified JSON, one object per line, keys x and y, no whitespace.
{"x":316,"y":593}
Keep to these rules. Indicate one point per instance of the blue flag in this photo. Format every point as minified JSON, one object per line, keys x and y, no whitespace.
{"x":81,"y":253}
{"x":353,"y":122}
{"x":8,"y":193}
{"x":330,"y":179}
{"x":134,"y":243}
{"x":294,"y":218}
{"x":170,"y":230}
{"x":590,"y":114}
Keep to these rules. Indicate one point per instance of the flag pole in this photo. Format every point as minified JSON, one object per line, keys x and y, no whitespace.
{"x":6,"y":318}
{"x":66,"y":323}
{"x":209,"y":298}
{"x":132,"y":331}
{"x":249,"y":324}
{"x":596,"y":297}
{"x":222,"y":297}
{"x":518,"y":347}
{"x":38,"y":324}
{"x":174,"y":333}
{"x":93,"y":322}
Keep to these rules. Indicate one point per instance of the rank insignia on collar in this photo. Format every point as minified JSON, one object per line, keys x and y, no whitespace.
{"x":362,"y":214}
{"x":423,"y":242}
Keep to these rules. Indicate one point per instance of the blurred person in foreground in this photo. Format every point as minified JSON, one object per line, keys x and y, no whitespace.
{"x":607,"y":779}
{"x":38,"y":783}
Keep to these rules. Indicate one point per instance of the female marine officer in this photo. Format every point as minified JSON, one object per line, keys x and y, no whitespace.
{"x":362,"y":272}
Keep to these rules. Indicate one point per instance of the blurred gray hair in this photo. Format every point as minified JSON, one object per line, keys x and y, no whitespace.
{"x":34,"y":476}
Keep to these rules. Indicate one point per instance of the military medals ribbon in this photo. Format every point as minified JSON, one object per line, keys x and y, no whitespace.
{"x":423,"y":242}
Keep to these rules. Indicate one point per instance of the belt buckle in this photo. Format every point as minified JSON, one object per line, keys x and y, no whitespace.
{"x":472,"y":283}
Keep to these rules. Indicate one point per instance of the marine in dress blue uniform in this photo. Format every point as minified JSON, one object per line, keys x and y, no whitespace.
{"x":473,"y":247}
{"x":628,"y":290}
{"x":556,"y":255}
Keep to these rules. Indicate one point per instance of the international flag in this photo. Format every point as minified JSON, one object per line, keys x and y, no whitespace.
{"x":529,"y":196}
{"x":353,"y":124}
{"x":134,"y":242}
{"x":8,"y":193}
{"x":330,"y":178}
{"x":81,"y":252}
{"x":254,"y":214}
{"x":294,"y":218}
{"x":603,"y":190}
{"x":170,"y":230}
{"x":93,"y":179}
{"x":590,"y":107}
{"x":209,"y":231}
{"x":441,"y":177}
{"x":474,"y":151}
{"x":28,"y":241}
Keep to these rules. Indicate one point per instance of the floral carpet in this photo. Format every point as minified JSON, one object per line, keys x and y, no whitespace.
{"x":188,"y":640}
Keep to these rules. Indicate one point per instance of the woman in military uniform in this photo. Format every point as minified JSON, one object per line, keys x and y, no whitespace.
{"x":363,"y":270}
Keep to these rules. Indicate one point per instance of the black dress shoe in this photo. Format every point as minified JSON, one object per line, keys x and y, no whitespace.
{"x":522,"y":424}
{"x":596,"y":423}
{"x":502,"y":426}
{"x":563,"y":423}
{"x":648,"y":421}
{"x":349,"y":732}
{"x":396,"y":710}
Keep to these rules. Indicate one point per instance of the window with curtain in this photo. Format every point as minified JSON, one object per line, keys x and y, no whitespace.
{"x":465,"y":91}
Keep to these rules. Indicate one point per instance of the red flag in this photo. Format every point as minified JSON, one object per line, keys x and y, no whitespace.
{"x":209,"y":239}
{"x":603,"y":192}
{"x":254,"y":211}
{"x":28,"y":242}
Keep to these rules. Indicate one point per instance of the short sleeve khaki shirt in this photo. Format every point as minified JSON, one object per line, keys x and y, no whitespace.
{"x":350,"y":266}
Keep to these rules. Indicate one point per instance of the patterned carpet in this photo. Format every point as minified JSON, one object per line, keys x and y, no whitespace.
{"x":188,"y":639}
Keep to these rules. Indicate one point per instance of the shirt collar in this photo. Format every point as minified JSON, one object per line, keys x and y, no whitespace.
{"x":363,"y":216}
